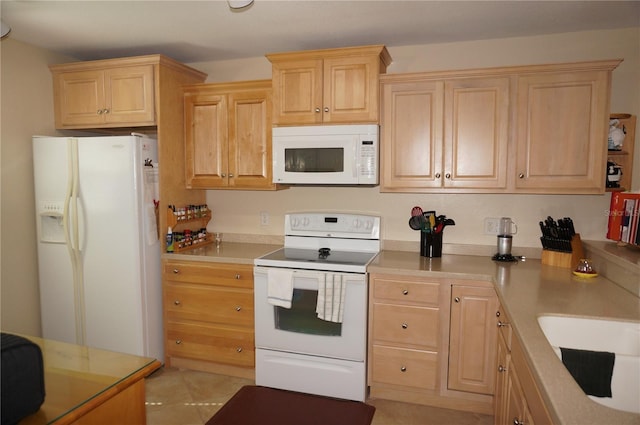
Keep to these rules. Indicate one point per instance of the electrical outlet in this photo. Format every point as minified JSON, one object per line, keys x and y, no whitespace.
{"x":491,"y":226}
{"x":264,"y":218}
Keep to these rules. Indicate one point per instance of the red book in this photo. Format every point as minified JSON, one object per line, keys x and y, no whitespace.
{"x":616,"y":213}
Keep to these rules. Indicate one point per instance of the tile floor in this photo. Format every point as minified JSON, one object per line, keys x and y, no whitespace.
{"x":185,"y":397}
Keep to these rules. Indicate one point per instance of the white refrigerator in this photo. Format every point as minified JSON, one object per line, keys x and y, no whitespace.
{"x":98,"y":242}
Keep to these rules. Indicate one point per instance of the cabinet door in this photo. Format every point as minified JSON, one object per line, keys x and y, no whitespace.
{"x":411,"y":135}
{"x":250,"y":139}
{"x":79,"y":98}
{"x":476,"y":133}
{"x":472,"y":339}
{"x":502,"y":370}
{"x":562,"y":131}
{"x":129,"y":95}
{"x":206,"y":147}
{"x":516,"y":406}
{"x":297,"y":92}
{"x":350,"y":89}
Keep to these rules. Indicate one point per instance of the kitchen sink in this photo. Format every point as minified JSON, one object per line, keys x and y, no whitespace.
{"x":615,"y":336}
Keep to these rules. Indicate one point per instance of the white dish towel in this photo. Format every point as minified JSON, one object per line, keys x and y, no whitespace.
{"x":331,"y":293}
{"x":279,"y":287}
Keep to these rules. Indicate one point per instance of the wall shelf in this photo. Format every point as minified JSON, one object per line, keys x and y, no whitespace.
{"x":624,"y":157}
{"x":185,"y":238}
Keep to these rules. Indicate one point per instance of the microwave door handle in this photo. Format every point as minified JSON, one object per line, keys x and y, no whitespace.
{"x":356,"y":157}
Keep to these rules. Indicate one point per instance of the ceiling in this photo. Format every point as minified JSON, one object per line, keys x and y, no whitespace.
{"x":207,"y":30}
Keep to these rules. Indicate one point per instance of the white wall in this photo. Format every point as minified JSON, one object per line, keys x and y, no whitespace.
{"x":238,"y":212}
{"x":27,"y":109}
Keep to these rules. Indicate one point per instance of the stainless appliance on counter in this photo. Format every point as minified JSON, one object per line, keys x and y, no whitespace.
{"x":311,"y":305}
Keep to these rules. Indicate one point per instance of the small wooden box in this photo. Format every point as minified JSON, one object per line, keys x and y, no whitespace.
{"x":567,"y":260}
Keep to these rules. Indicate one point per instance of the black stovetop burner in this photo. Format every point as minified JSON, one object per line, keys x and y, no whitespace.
{"x":505,"y":258}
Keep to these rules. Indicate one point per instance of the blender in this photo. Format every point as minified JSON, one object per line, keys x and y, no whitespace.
{"x":506,"y":229}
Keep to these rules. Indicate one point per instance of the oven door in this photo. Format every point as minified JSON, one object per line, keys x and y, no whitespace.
{"x":298,"y":329}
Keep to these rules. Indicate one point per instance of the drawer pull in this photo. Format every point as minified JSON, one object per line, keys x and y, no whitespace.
{"x":405,"y":326}
{"x":176,"y":271}
{"x":178,"y":341}
{"x":516,"y":421}
{"x":239,"y":349}
{"x":457,"y":299}
{"x":177,"y":302}
{"x":405,"y":292}
{"x":502,"y":369}
{"x":403,"y":369}
{"x":238,"y":308}
{"x":502,"y":324}
{"x":238,"y":276}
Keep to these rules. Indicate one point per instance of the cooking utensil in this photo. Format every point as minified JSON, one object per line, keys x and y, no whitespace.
{"x":416,"y":223}
{"x":416,"y":211}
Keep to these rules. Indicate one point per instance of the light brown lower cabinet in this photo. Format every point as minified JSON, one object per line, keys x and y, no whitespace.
{"x":517,"y":398}
{"x":417,"y":332}
{"x":209,"y":317}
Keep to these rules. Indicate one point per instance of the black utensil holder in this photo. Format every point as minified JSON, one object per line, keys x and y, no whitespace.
{"x":431,"y":244}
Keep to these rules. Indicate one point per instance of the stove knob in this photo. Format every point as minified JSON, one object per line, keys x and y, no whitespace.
{"x":305,"y":222}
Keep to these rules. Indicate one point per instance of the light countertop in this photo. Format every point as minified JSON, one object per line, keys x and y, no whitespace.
{"x":228,"y":252}
{"x":526,"y":290}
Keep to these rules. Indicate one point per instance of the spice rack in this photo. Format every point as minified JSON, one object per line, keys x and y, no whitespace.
{"x":184,"y":237}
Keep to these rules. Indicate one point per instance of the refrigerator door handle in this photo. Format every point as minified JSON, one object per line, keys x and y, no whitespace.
{"x":72,"y":238}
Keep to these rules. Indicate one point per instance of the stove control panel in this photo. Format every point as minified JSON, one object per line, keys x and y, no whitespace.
{"x":359,"y":226}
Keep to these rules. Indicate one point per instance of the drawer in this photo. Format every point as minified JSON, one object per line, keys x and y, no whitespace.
{"x":407,"y":290}
{"x":503,"y":324}
{"x":414,"y":326}
{"x":235,"y":275}
{"x":397,"y":366}
{"x":210,"y":343}
{"x":209,"y":304}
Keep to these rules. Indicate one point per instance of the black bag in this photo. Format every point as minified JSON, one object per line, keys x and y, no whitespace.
{"x":22,"y":378}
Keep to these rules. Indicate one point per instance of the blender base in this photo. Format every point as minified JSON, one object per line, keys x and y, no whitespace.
{"x":504,"y":258}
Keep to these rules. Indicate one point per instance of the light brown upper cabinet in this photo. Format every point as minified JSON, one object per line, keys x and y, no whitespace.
{"x":562,"y":126}
{"x":444,"y":133}
{"x":525,"y":129}
{"x":102,"y":94}
{"x":228,"y":135}
{"x":331,"y":86}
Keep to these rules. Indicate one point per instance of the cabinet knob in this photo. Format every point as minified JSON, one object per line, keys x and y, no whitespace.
{"x":230,"y":175}
{"x":177,"y":302}
{"x":403,"y":369}
{"x":176,"y":271}
{"x":448,"y":175}
{"x":223,"y":175}
{"x":521,"y":175}
{"x":501,"y":323}
{"x":326,"y":109}
{"x":405,"y":292}
{"x":517,"y":421}
{"x":502,"y":368}
{"x":498,"y":313}
{"x":437,"y":175}
{"x":99,"y":111}
{"x":456,"y":299}
{"x":238,"y":276}
{"x":239,"y":349}
{"x":178,"y":341}
{"x":318,"y":110}
{"x":238,"y":308}
{"x":106,"y":111}
{"x":405,"y":326}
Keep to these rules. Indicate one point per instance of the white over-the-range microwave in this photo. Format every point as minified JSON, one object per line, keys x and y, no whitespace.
{"x":326,"y":154}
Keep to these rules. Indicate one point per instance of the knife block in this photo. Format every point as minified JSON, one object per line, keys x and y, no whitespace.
{"x":567,"y":260}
